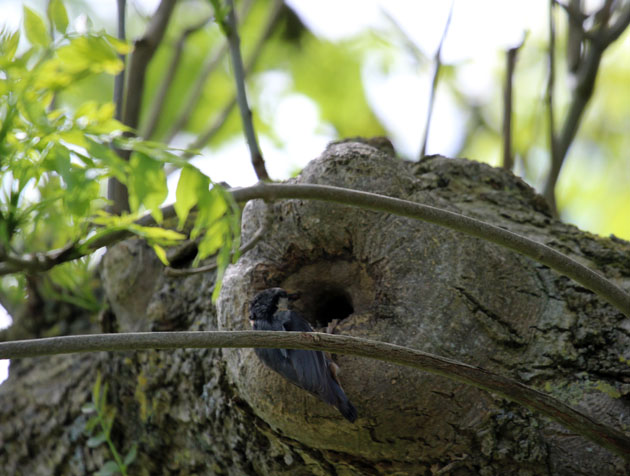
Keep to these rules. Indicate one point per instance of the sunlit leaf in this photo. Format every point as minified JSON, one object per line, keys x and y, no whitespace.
{"x":211,"y":207}
{"x":8,"y":46}
{"x":147,"y":184}
{"x":57,"y":13}
{"x":191,"y":187}
{"x":35,"y":28}
{"x":213,"y":240}
{"x":110,"y":468}
{"x":96,"y":441}
{"x":161,"y":254}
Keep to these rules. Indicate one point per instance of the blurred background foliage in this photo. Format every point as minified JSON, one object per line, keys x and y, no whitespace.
{"x":305,"y":90}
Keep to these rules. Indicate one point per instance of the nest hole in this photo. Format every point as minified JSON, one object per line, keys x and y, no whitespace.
{"x":330,"y":303}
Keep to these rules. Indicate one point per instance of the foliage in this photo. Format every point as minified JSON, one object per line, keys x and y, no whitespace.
{"x":99,"y":428}
{"x":56,"y":161}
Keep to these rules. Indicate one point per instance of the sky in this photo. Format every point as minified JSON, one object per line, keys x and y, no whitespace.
{"x":475,"y":36}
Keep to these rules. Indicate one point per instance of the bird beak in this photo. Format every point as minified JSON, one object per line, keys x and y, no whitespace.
{"x":294,"y":296}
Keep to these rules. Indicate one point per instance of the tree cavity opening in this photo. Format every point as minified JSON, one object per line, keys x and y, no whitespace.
{"x":329,"y":303}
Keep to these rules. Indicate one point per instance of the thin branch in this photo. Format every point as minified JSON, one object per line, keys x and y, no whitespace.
{"x":585,"y":78}
{"x":574,"y":420}
{"x":179,"y":272}
{"x":116,"y":192}
{"x":551,"y":79}
{"x":239,"y":75}
{"x":372,"y":201}
{"x":508,"y":158}
{"x":416,"y":52}
{"x":195,"y":91}
{"x":202,"y":139}
{"x":119,"y":81}
{"x":434,"y":82}
{"x":158,"y":104}
{"x":145,"y":48}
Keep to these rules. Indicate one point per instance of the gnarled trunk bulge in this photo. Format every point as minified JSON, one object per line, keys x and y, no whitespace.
{"x":375,"y":275}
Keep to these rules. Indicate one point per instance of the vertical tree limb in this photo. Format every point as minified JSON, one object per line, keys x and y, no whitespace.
{"x":230,"y":28}
{"x":145,"y":48}
{"x":508,"y":158}
{"x":434,"y":82}
{"x":116,"y":191}
{"x":196,"y":90}
{"x":157,"y":105}
{"x":596,"y":43}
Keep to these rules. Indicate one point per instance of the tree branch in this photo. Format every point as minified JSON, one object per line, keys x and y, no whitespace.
{"x":372,"y":201}
{"x":196,"y":90}
{"x":603,"y":435}
{"x":178,"y":272}
{"x":508,"y":157}
{"x":158,"y":104}
{"x":145,"y":48}
{"x":222,"y":116}
{"x":586,"y":75}
{"x":551,"y":80}
{"x":241,"y":96}
{"x":116,"y":192}
{"x":434,"y":82}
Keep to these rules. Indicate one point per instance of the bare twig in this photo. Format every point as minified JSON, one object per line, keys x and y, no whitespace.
{"x":551,"y":79}
{"x":508,"y":158}
{"x":116,"y":191}
{"x":416,"y":52}
{"x":371,"y":201}
{"x":218,"y":121}
{"x":586,"y":75}
{"x":145,"y":48}
{"x":158,"y":104}
{"x":434,"y":82}
{"x":581,"y":423}
{"x":119,"y":82}
{"x":230,"y":28}
{"x":196,"y":90}
{"x":177,"y":272}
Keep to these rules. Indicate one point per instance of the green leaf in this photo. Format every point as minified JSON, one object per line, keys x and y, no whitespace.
{"x":97,"y":440}
{"x":108,"y":469}
{"x":211,"y":206}
{"x":156,"y":234}
{"x":147,"y":184}
{"x":88,"y":408}
{"x":91,"y":424}
{"x":213,"y":240}
{"x":8,"y":46}
{"x":131,"y":456}
{"x":161,"y":254}
{"x":191,"y":187}
{"x":58,"y":15}
{"x":96,"y":390}
{"x":35,"y":28}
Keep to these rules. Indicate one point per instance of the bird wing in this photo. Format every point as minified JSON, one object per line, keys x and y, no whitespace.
{"x":309,"y":367}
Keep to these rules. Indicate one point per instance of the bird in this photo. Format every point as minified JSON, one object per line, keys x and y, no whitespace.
{"x":308,"y":369}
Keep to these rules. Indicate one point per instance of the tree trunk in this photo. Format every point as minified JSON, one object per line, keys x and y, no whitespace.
{"x":385,"y":278}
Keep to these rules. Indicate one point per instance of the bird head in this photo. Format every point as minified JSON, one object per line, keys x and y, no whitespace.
{"x":266,"y":303}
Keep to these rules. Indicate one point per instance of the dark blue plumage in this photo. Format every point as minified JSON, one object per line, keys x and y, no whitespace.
{"x":308,"y":369}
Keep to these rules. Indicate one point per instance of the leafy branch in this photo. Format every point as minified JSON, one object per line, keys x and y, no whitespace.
{"x":103,"y":416}
{"x":371,"y":201}
{"x":605,"y":436}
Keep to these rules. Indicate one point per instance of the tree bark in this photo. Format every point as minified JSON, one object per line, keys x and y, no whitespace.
{"x":386,"y":278}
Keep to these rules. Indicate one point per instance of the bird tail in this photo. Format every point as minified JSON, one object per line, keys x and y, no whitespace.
{"x":347,"y":409}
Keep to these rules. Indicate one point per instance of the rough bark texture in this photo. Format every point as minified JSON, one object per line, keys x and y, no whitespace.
{"x":387,"y":278}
